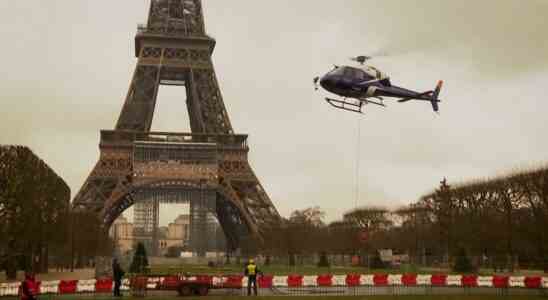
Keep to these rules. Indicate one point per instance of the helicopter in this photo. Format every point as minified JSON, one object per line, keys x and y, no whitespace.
{"x":359,"y":85}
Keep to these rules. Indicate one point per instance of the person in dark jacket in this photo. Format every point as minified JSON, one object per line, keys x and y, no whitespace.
{"x":117,"y":275}
{"x":251,"y":271}
{"x":29,"y":287}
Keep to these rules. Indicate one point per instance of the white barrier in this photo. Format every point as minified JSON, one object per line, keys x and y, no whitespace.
{"x":367,"y":280}
{"x":339,"y":280}
{"x":454,"y":280}
{"x":395,"y":279}
{"x":310,"y":281}
{"x":125,"y":285}
{"x":84,"y":286}
{"x":517,"y":281}
{"x":486,"y":281}
{"x":217,"y":281}
{"x":424,"y":279}
{"x":279,"y":281}
{"x":50,"y":287}
{"x":11,"y":289}
{"x":3,"y":289}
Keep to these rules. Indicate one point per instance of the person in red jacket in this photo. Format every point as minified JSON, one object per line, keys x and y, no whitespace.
{"x":29,"y":287}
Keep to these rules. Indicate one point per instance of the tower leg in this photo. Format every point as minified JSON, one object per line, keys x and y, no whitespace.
{"x":202,"y":236}
{"x":198,"y":224}
{"x":155,"y":225}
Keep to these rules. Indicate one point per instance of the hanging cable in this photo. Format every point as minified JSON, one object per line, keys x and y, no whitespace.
{"x":358,"y":152}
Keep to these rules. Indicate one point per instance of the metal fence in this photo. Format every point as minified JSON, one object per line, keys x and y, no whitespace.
{"x":328,"y":291}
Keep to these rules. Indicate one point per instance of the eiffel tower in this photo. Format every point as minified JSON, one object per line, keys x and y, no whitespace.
{"x":207,"y":168}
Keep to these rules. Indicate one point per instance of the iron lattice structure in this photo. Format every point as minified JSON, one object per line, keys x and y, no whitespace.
{"x":208,"y":168}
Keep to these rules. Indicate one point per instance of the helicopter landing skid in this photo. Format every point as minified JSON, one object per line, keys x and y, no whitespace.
{"x":380,"y":103}
{"x":346,"y":105}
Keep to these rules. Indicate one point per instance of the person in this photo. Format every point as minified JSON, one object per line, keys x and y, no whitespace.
{"x":117,"y":275}
{"x":29,"y":287}
{"x":251,"y":271}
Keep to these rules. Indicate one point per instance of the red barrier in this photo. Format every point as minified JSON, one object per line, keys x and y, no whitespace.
{"x":380,"y":279}
{"x":265,"y":281}
{"x":204,"y":279}
{"x":353,"y":279}
{"x":170,"y":282}
{"x":469,"y":280}
{"x":324,"y":280}
{"x":38,"y":284}
{"x":67,"y":286}
{"x":439,"y":280}
{"x":533,"y":282}
{"x":295,"y":280}
{"x":233,"y":281}
{"x":103,"y":285}
{"x":500,"y":281}
{"x":409,"y":279}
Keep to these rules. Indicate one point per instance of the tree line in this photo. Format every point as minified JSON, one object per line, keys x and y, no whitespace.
{"x":499,"y":218}
{"x":502,"y":221}
{"x":37,"y":227}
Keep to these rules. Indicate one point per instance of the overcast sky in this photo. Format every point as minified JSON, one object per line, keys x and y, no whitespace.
{"x":66,"y":66}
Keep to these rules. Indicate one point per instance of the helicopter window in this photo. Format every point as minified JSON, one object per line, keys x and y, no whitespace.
{"x":354,"y":73}
{"x":337,"y":71}
{"x":348,"y":72}
{"x":359,"y":74}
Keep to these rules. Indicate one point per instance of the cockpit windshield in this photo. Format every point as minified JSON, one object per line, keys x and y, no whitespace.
{"x":339,"y":71}
{"x":349,"y":72}
{"x":356,"y":73}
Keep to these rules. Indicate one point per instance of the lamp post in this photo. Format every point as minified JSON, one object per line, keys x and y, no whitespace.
{"x":71,"y":215}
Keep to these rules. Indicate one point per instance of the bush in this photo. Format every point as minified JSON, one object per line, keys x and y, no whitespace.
{"x":377,"y":262}
{"x":291,"y":259}
{"x":324,"y":262}
{"x":462,"y":263}
{"x":140,"y":260}
{"x":174,"y":251}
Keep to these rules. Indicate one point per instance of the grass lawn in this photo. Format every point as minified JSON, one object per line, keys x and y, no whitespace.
{"x":282,"y":270}
{"x":273,"y":269}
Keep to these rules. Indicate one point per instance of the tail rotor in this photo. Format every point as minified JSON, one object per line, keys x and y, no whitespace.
{"x":435,"y":100}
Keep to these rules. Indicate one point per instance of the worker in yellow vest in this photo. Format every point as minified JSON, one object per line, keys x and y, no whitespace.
{"x":251,"y":271}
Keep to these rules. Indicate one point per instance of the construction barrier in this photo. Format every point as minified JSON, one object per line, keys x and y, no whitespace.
{"x":294,"y":281}
{"x":265,"y":282}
